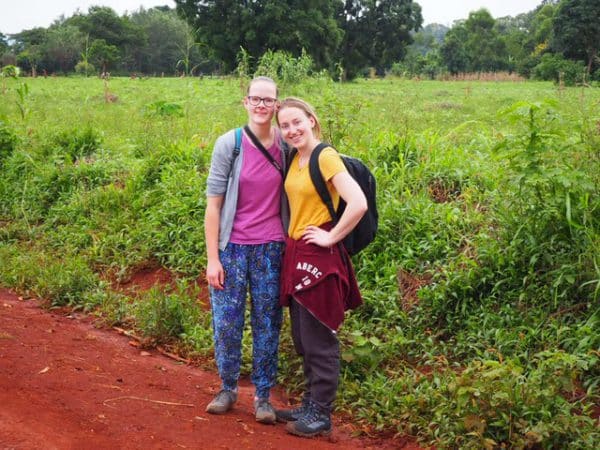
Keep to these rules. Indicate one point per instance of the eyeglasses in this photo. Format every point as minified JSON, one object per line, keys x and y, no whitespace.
{"x":267,"y":101}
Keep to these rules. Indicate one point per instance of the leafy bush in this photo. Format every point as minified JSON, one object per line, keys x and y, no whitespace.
{"x":283,"y":67}
{"x":164,"y":317}
{"x":11,"y":71}
{"x":37,"y":178}
{"x":549,"y":221}
{"x":84,"y":67}
{"x":554,"y":67}
{"x":164,"y":108}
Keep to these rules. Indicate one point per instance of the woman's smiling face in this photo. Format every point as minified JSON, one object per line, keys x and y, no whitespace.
{"x":260,"y":113}
{"x":296,"y":127}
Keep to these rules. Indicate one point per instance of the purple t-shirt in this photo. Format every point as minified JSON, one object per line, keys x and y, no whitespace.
{"x":257,"y":218}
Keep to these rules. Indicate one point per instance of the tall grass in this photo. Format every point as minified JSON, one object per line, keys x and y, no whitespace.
{"x":481,"y":323}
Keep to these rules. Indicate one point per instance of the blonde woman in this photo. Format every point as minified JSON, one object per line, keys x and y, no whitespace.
{"x":318,"y":282}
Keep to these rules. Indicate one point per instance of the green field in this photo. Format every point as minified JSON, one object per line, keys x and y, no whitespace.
{"x":481,"y":323}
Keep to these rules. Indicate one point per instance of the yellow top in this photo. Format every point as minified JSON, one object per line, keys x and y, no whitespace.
{"x":306,"y":207}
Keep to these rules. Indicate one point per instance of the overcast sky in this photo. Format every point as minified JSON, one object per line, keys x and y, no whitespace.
{"x":18,"y":15}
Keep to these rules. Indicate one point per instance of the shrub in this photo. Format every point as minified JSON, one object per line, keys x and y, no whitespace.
{"x":163,"y":316}
{"x":84,"y":67}
{"x":554,"y":67}
{"x":11,"y":71}
{"x":164,"y":108}
{"x":548,"y":218}
{"x":283,"y":67}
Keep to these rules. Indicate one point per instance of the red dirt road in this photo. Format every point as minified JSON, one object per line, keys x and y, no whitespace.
{"x":65,"y":384}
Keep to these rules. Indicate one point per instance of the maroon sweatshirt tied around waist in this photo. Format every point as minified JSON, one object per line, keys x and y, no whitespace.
{"x":321,"y":279}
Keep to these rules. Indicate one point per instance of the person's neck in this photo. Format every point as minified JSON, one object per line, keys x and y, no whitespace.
{"x":262,"y":132}
{"x":306,"y":150}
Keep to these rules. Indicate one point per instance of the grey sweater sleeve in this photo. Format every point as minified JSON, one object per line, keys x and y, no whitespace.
{"x":220,"y":164}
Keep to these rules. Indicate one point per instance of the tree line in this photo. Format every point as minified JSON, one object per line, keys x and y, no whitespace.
{"x":154,"y":41}
{"x":350,"y":38}
{"x":559,"y":39}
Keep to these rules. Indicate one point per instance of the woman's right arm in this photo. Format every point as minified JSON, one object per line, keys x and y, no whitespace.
{"x":215,"y":275}
{"x":221,"y":163}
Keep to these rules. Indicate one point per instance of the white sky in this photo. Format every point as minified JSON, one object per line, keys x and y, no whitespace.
{"x":447,"y":11}
{"x":19,"y":15}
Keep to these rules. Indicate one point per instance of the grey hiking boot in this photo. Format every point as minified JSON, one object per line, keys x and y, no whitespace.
{"x":313,"y":422}
{"x":222,"y":402}
{"x":263,"y":411}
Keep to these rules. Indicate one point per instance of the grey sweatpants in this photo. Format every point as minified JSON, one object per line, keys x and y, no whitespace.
{"x":320,"y":350}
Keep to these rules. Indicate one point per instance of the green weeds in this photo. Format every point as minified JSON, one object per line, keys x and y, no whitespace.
{"x":480,"y":327}
{"x":8,"y":141}
{"x":68,"y":282}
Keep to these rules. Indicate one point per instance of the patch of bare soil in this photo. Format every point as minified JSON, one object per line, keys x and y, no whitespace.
{"x":65,"y":384}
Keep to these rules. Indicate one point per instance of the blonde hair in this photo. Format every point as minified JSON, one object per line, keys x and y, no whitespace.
{"x":295,"y":102}
{"x":263,"y":78}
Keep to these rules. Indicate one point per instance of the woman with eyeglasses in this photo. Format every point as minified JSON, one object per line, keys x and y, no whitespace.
{"x":244,"y":228}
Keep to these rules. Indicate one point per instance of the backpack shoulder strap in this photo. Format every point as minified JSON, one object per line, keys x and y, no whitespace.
{"x":289,"y":159}
{"x":262,"y":149}
{"x":317,"y":178}
{"x":238,"y":142}
{"x":236,"y":149}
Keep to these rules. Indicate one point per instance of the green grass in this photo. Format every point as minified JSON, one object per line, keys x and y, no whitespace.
{"x":489,"y":213}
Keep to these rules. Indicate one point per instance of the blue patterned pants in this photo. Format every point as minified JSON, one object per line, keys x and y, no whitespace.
{"x":253,"y":268}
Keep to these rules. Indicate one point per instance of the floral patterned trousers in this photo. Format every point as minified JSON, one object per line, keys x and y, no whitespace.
{"x":255,"y":269}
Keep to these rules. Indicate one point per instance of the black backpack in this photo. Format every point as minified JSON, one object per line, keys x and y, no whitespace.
{"x":364,"y":232}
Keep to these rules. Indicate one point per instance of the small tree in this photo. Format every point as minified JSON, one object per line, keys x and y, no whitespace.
{"x":103,"y":54}
{"x":30,"y":58}
{"x":84,"y":65}
{"x":554,"y":67}
{"x":186,"y":49}
{"x":62,"y":47}
{"x":283,"y":67}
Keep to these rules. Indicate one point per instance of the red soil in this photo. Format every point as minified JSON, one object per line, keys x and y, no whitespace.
{"x":65,"y":384}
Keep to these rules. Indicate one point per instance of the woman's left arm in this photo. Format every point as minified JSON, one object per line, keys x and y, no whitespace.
{"x":356,"y":206}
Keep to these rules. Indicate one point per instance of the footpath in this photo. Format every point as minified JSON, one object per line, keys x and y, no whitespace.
{"x":66,"y":384}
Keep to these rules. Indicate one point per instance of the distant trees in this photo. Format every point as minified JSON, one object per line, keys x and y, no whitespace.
{"x":3,"y":43}
{"x":225,"y":26}
{"x":552,"y":41}
{"x":112,"y":38}
{"x":475,"y":45}
{"x":423,"y":56}
{"x":487,"y":52}
{"x":103,"y":54}
{"x":576,"y":30}
{"x":147,"y":41}
{"x":29,"y":48}
{"x":376,"y":33}
{"x":454,"y":51}
{"x":560,"y":39}
{"x":353,"y":34}
{"x":62,"y":48}
{"x":169,"y":40}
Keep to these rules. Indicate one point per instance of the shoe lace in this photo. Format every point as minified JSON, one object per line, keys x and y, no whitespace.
{"x":312,"y":413}
{"x":299,"y":409}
